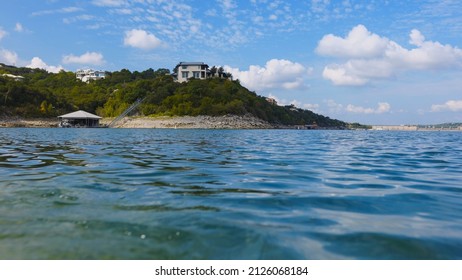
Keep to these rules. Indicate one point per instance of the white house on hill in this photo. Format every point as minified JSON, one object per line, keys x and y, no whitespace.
{"x":14,"y":77}
{"x":185,"y":70}
{"x":87,"y":75}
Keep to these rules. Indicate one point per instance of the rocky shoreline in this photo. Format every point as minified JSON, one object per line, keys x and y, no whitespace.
{"x":197,"y":122}
{"x":21,"y":122}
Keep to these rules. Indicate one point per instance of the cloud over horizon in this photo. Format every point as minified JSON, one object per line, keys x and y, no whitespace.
{"x":337,"y":108}
{"x":276,"y":74}
{"x":37,"y":62}
{"x":369,"y":56}
{"x":451,"y":105}
{"x":8,"y":57}
{"x":89,"y":58}
{"x":382,"y":107}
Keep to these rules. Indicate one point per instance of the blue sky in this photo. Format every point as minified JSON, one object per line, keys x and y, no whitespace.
{"x":373,"y":62}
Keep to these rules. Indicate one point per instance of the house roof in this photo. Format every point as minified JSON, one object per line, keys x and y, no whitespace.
{"x":79,"y":115}
{"x":191,"y":63}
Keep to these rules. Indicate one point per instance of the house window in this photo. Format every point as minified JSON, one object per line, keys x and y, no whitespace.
{"x":196,"y":74}
{"x":184,"y":67}
{"x":184,"y":74}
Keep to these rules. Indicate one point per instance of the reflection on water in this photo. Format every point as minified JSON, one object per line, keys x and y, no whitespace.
{"x":229,"y":194}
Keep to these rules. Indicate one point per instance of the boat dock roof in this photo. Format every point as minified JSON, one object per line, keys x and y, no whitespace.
{"x":79,"y":115}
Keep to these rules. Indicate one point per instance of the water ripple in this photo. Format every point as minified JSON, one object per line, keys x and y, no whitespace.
{"x":229,"y":194}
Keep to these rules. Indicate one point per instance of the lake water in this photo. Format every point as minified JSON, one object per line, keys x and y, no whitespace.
{"x":229,"y":194}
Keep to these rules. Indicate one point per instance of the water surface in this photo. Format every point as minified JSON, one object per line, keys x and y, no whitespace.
{"x":229,"y":194}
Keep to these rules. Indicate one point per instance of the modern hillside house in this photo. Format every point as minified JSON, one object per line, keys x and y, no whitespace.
{"x":87,"y":75}
{"x":186,"y":70}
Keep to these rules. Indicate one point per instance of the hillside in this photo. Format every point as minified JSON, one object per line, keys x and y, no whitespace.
{"x":42,"y":94}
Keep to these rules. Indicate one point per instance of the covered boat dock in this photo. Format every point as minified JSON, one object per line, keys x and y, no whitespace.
{"x":79,"y":119}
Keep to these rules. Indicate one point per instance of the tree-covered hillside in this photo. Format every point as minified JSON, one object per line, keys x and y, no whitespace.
{"x":43,"y":94}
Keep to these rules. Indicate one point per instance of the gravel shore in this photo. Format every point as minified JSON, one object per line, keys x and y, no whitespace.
{"x":198,"y":122}
{"x":20,"y":122}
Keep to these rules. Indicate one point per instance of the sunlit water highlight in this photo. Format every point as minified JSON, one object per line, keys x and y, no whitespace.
{"x":229,"y":194}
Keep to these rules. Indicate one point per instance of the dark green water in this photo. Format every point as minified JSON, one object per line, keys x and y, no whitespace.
{"x":229,"y":194}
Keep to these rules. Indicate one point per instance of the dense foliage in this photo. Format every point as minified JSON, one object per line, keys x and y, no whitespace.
{"x":43,"y":94}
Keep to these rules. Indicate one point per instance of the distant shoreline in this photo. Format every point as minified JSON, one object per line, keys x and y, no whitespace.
{"x":197,"y":122}
{"x":414,"y":128}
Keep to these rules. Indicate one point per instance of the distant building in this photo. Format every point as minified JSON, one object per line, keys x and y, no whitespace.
{"x":87,"y":75}
{"x":271,"y":101}
{"x":186,"y":70}
{"x":395,"y":127}
{"x":14,"y":77}
{"x":291,"y":107}
{"x":79,"y":119}
{"x":312,"y":126}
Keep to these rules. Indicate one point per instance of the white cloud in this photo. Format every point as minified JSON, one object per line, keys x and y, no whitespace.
{"x":383,"y":107}
{"x":228,"y":4}
{"x":358,"y":109}
{"x":359,"y":43}
{"x":3,"y":33}
{"x":339,"y":75}
{"x":122,"y":11}
{"x":141,"y":39}
{"x":19,"y":27}
{"x":416,"y":38}
{"x":336,"y":108}
{"x":277,"y":73}
{"x":370,"y":56}
{"x":427,"y":56}
{"x":357,"y":72}
{"x":65,"y":10}
{"x":451,"y":105}
{"x":211,"y":13}
{"x":298,"y":104}
{"x":70,"y":10}
{"x":319,"y":6}
{"x":333,"y":106}
{"x":311,"y":107}
{"x":109,"y":3}
{"x":11,"y":58}
{"x":89,"y":58}
{"x":8,"y":57}
{"x":78,"y":18}
{"x":36,"y":62}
